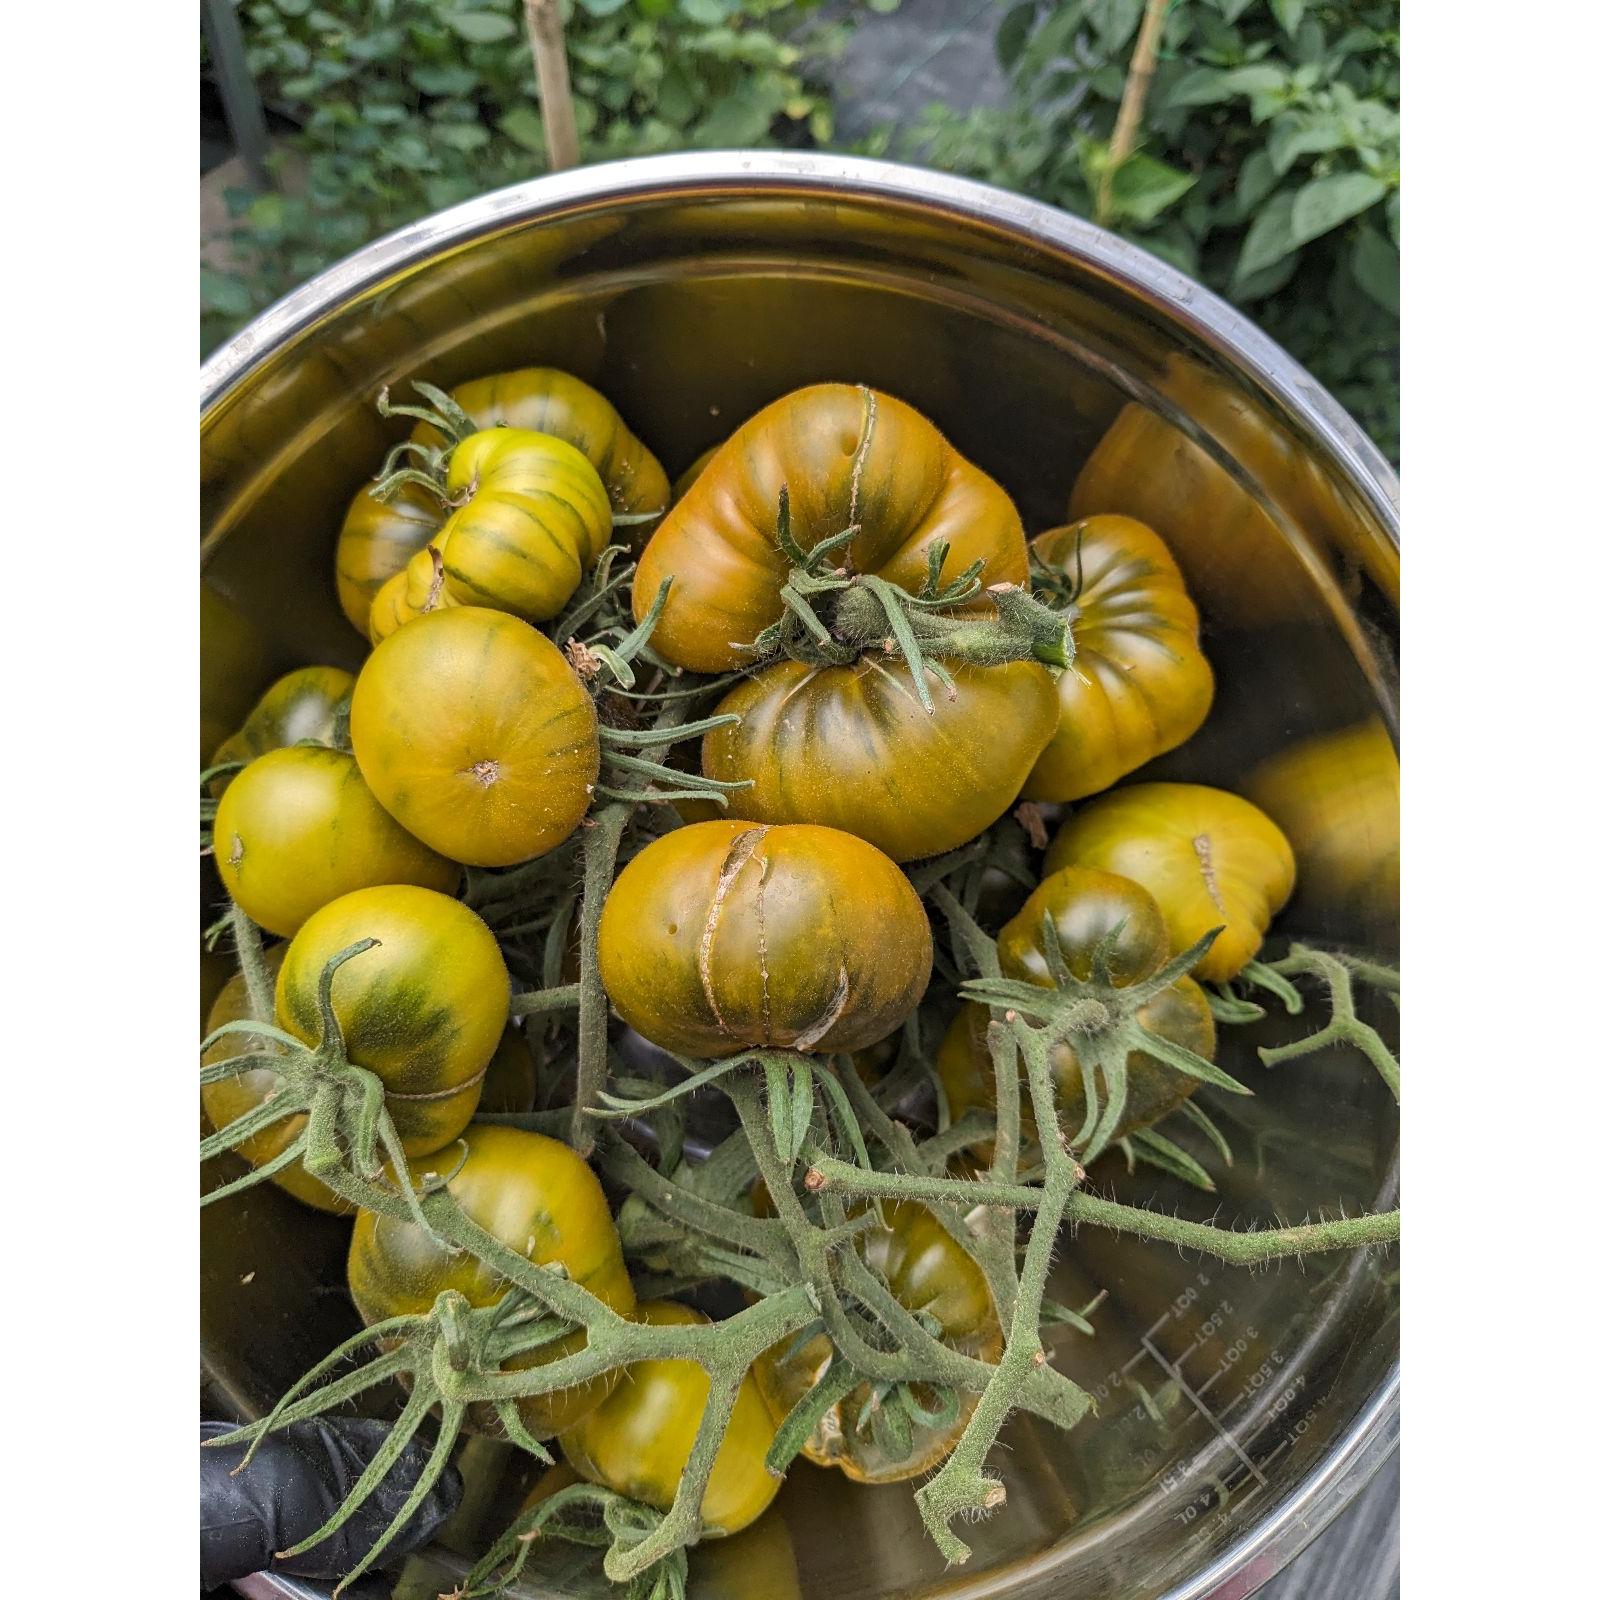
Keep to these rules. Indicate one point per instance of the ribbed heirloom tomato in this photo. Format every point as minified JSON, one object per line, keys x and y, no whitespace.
{"x":1139,"y":685}
{"x":725,"y":936}
{"x":424,"y":1008}
{"x":1087,"y":908}
{"x":534,"y":515}
{"x":927,"y":1271}
{"x":380,"y":537}
{"x":227,"y":1101}
{"x":476,"y":735}
{"x":538,"y":1198}
{"x":299,"y":827}
{"x":848,"y":456}
{"x":852,"y":748}
{"x":637,"y":1441}
{"x":1210,"y":859}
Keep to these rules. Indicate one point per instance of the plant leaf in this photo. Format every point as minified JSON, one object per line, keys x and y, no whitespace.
{"x":1324,"y":203}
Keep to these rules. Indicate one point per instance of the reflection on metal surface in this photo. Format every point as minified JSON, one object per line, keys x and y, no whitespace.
{"x":690,"y":290}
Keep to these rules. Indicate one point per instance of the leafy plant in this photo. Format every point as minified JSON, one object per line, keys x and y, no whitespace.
{"x":406,"y":106}
{"x":1268,"y":160}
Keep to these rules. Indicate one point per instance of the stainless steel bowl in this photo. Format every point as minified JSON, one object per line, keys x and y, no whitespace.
{"x":1238,"y":1412}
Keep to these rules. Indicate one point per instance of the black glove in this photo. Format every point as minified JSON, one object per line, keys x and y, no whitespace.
{"x":294,"y":1484}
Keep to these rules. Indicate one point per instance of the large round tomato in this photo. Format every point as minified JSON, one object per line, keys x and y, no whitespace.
{"x":927,"y":1271}
{"x":299,"y":827}
{"x":848,"y":456}
{"x":1089,"y":910}
{"x":1139,"y":686}
{"x":423,"y":1009}
{"x":725,"y":936}
{"x":1210,"y":858}
{"x":637,"y":1441}
{"x":1337,"y":798}
{"x":851,"y":748}
{"x":378,"y":539}
{"x":228,"y":1100}
{"x":533,"y":516}
{"x":476,"y":735}
{"x":538,"y":1198}
{"x":301,"y":706}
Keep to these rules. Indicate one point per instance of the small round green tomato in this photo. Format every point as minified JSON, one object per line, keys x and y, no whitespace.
{"x":1209,"y":858}
{"x":299,"y":827}
{"x":536,"y":1196}
{"x":1090,"y":910}
{"x":638,"y":1440}
{"x":725,"y":936}
{"x":476,"y":735}
{"x":302,"y":705}
{"x":227,"y":1101}
{"x":424,"y":1008}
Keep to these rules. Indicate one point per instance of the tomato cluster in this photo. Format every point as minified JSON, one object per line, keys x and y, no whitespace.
{"x":468,"y":841}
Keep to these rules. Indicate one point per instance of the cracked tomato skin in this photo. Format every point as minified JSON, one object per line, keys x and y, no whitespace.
{"x":229,"y":1099}
{"x":926,"y":1270}
{"x":852,"y":748}
{"x":539,"y":1198}
{"x":728,"y":936}
{"x":477,"y":736}
{"x":1140,"y":685}
{"x":848,"y":456}
{"x":637,"y":1441}
{"x":299,"y":827}
{"x":378,"y":538}
{"x":533,"y":517}
{"x":424,"y":1008}
{"x":1209,"y":858}
{"x":1087,"y":907}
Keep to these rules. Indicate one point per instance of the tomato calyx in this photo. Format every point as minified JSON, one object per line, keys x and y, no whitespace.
{"x":586,"y":1514}
{"x":1100,"y":1021}
{"x":834,"y":616}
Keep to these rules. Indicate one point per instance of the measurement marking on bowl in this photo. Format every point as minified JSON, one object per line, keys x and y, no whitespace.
{"x":1200,"y":1405}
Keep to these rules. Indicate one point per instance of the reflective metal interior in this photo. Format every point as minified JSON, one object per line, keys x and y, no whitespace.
{"x":1237,"y":1411}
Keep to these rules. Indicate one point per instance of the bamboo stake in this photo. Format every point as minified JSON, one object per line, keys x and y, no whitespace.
{"x":555,"y":84}
{"x":1130,"y":113}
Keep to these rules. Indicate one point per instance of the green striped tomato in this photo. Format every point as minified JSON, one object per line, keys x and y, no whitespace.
{"x":301,"y":706}
{"x":535,"y":517}
{"x":424,"y":1008}
{"x":379,"y":538}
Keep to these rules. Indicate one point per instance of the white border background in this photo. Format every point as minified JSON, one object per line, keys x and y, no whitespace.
{"x":1501,"y":796}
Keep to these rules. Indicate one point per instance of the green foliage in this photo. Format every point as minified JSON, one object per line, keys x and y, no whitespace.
{"x":406,"y":106}
{"x":1268,"y":163}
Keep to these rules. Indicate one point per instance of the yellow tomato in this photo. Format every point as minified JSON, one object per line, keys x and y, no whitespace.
{"x":1210,"y":859}
{"x":424,"y":1008}
{"x":724,"y":936}
{"x":536,"y":1196}
{"x":847,"y":456}
{"x":1337,"y":797}
{"x":477,"y":736}
{"x":299,"y":827}
{"x":1139,"y":686}
{"x":637,"y":1441}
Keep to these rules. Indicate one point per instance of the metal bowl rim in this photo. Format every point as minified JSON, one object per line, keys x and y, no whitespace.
{"x":1371,"y":1437}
